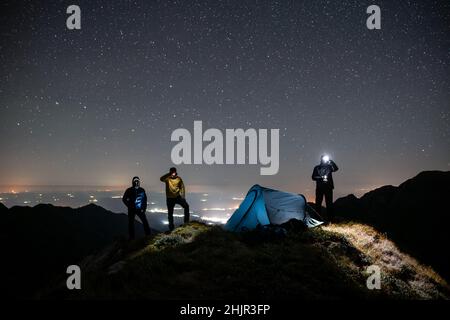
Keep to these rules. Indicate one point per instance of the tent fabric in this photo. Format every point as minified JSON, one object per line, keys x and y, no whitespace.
{"x":266,"y":206}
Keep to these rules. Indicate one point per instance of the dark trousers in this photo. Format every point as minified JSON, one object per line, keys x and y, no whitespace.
{"x":131,"y":219}
{"x":171,"y":202}
{"x":328,"y":194}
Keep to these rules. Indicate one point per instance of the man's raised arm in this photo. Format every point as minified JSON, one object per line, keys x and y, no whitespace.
{"x":164,"y":177}
{"x":334,"y":166}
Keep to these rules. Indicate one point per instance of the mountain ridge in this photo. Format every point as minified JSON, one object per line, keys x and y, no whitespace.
{"x":413,"y":214}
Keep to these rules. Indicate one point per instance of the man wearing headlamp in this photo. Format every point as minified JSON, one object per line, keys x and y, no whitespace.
{"x":323,"y":176}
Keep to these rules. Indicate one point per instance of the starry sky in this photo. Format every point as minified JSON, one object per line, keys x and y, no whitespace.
{"x":97,"y":106}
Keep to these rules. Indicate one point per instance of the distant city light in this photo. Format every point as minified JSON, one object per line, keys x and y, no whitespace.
{"x":215,"y":219}
{"x":157,"y":210}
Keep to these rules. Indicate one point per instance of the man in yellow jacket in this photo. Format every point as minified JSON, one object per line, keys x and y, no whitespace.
{"x":175,"y":194}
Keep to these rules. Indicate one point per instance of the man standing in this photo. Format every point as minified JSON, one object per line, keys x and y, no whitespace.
{"x":323,"y":176}
{"x":175,"y":194}
{"x":136,"y":201}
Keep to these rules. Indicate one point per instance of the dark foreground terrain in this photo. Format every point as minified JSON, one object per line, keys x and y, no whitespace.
{"x":202,"y":262}
{"x":38,"y":243}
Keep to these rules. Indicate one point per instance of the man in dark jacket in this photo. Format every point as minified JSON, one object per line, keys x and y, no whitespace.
{"x":136,"y":201}
{"x":323,"y":175}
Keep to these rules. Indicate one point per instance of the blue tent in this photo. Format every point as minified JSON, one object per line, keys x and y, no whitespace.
{"x":267,"y":206}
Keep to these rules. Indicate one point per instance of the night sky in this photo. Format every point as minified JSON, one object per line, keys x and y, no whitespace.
{"x":97,"y":106}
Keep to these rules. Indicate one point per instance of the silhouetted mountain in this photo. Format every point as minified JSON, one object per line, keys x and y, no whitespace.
{"x":414,"y":215}
{"x":38,"y":243}
{"x":3,"y":208}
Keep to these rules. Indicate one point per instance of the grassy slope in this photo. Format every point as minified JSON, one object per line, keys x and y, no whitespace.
{"x":201,"y":262}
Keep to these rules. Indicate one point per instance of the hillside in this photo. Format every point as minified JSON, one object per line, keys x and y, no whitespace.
{"x":38,"y":243}
{"x":202,"y":262}
{"x":414,"y":215}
